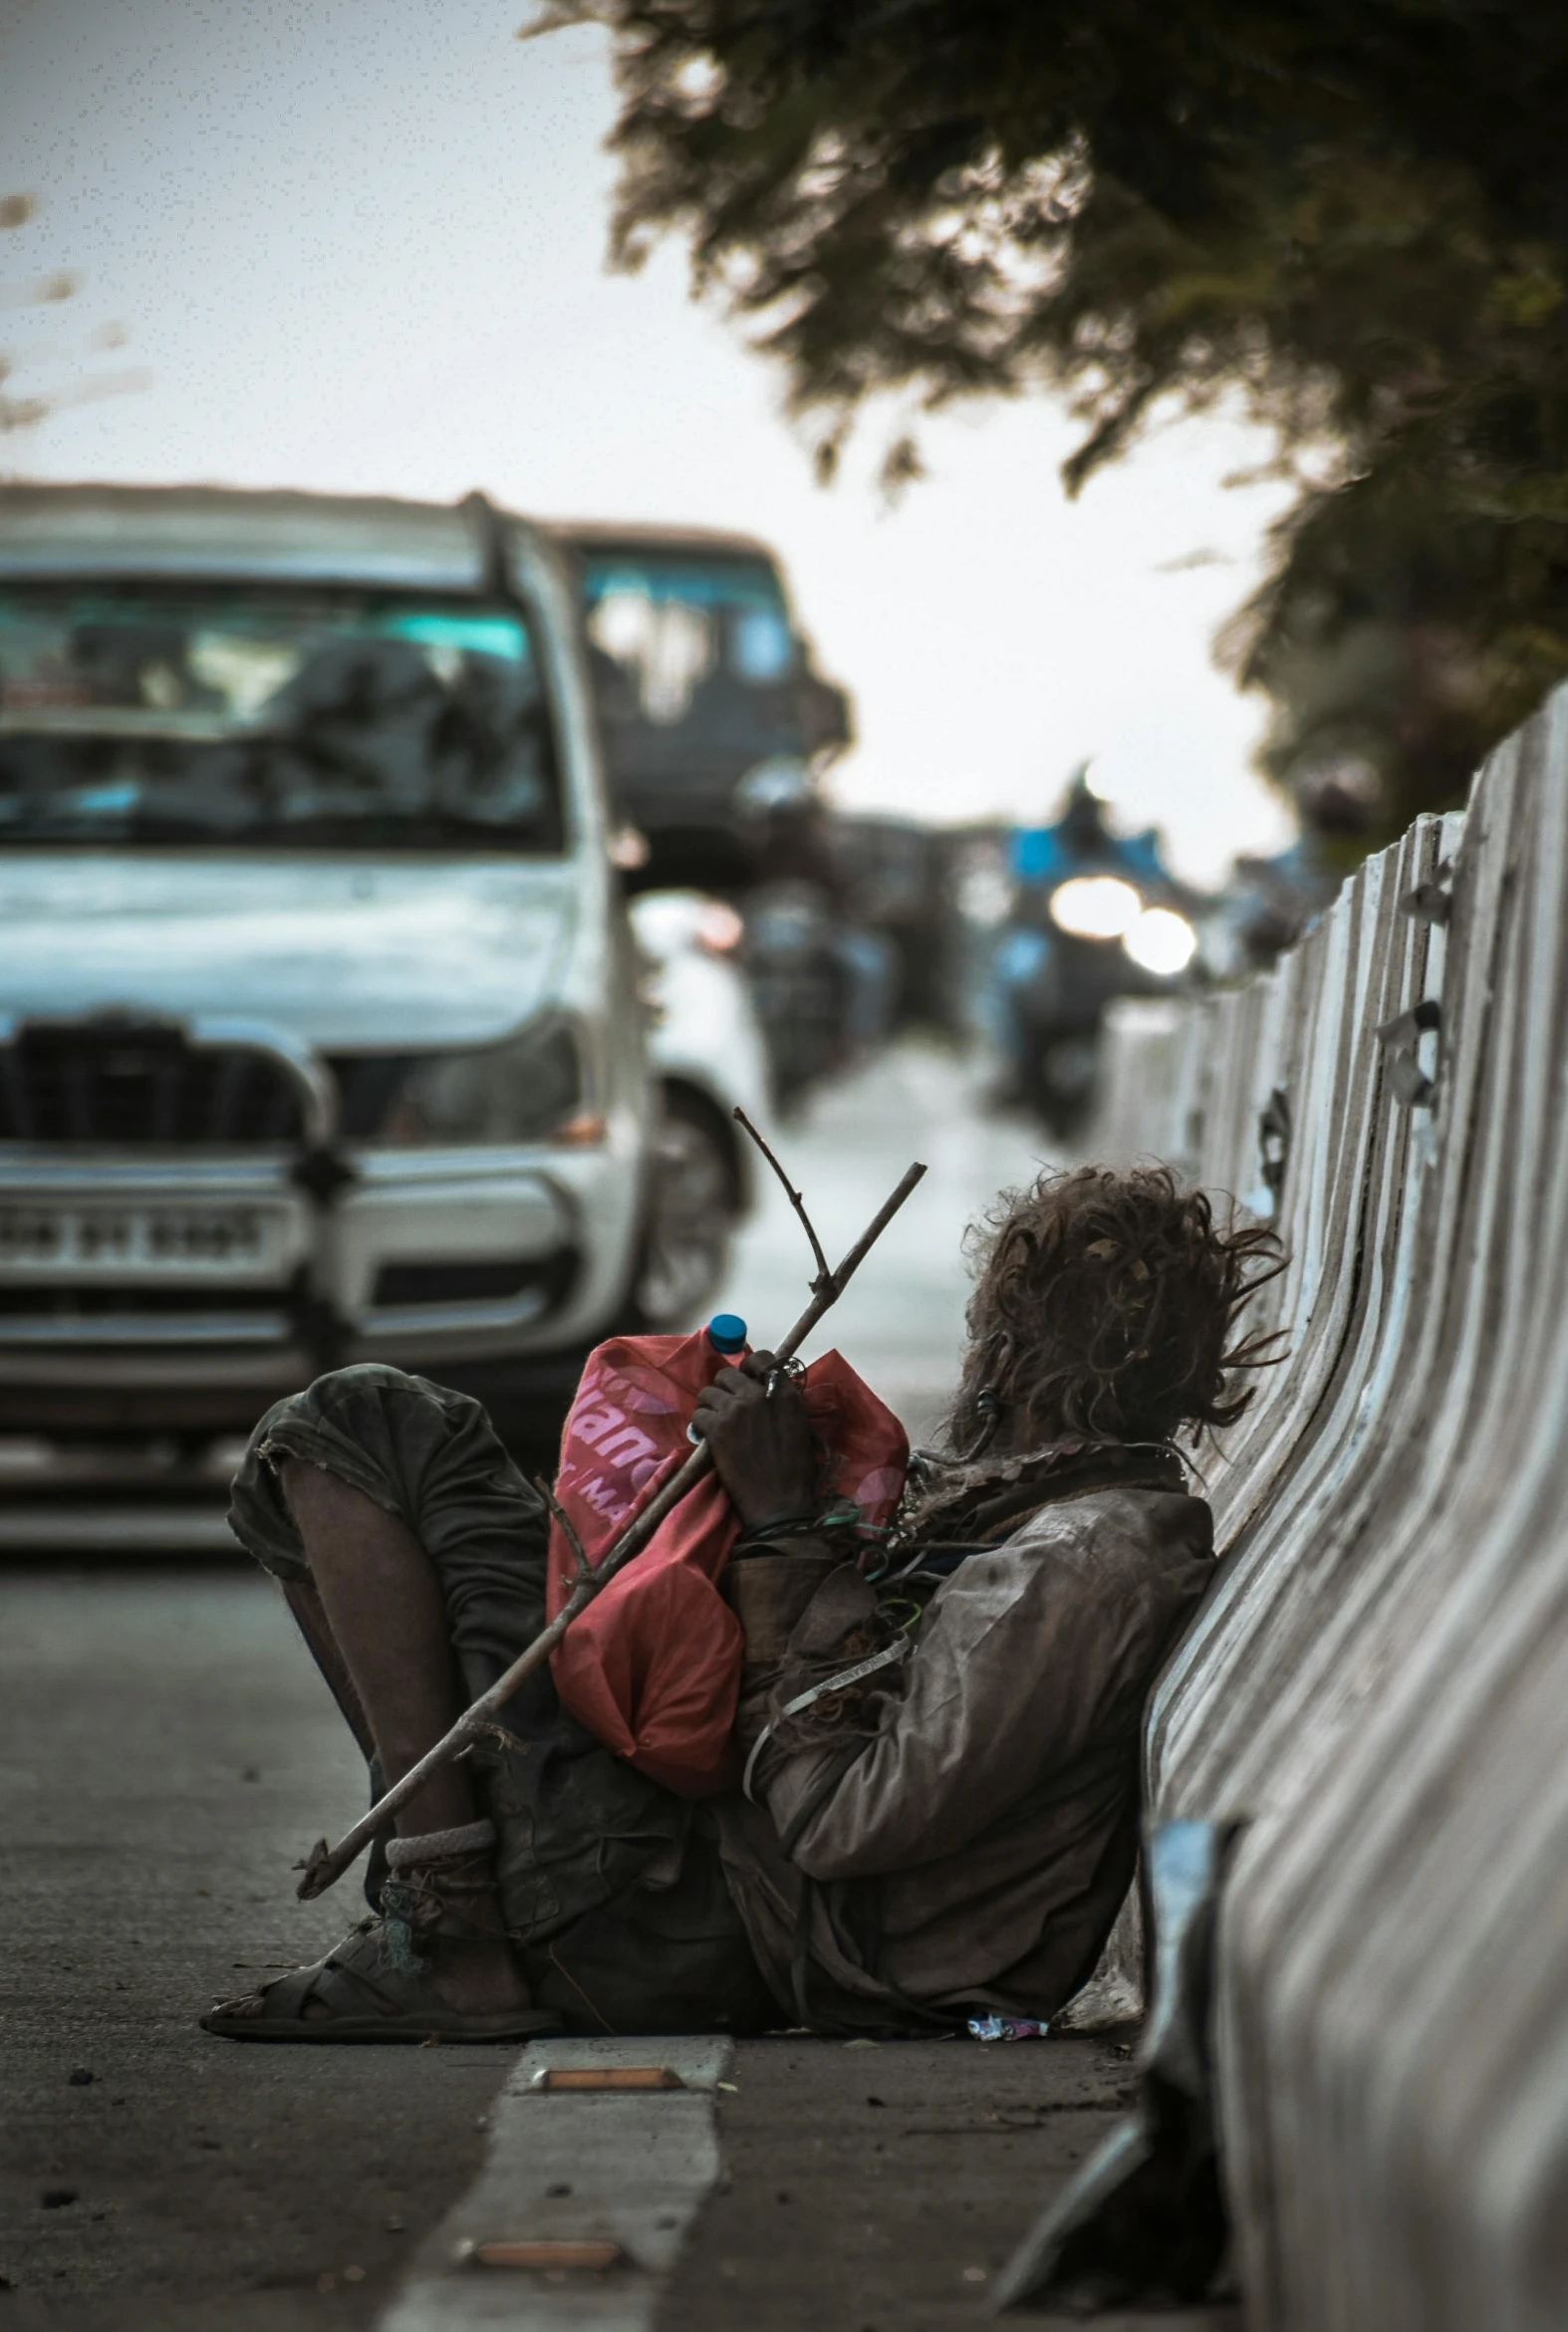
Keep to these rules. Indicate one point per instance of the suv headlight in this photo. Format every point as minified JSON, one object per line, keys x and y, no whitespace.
{"x":529,"y":1089}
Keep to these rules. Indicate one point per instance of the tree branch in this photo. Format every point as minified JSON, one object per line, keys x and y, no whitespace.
{"x":558,"y":1513}
{"x":823,"y":1276}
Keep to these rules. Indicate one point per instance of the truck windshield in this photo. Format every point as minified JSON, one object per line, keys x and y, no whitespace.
{"x":314,"y":719}
{"x":694,"y":662}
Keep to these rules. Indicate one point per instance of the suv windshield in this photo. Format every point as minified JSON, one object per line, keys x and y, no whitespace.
{"x":311,"y":718}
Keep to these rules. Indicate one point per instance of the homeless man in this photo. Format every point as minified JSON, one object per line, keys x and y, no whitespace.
{"x":949,"y":1832}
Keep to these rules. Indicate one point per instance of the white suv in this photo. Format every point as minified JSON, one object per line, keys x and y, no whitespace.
{"x":318,"y":1029}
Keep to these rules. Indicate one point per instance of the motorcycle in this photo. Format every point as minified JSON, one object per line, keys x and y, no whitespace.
{"x":1102,"y":925}
{"x":823,"y":983}
{"x":798,"y":984}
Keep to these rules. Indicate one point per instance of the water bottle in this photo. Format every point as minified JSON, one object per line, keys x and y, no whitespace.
{"x":726,"y":1333}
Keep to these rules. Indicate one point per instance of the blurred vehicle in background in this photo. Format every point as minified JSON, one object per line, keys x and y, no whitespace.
{"x":718,"y":728}
{"x":1270,"y":904}
{"x":1094,"y":915}
{"x":707,"y":1056}
{"x":824,"y":982}
{"x":705,"y":686}
{"x":974,"y":892}
{"x":318,"y":1029}
{"x":891,"y":886}
{"x":801,"y":986}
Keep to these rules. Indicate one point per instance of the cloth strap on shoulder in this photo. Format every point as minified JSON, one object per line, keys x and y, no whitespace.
{"x":897,"y":1650}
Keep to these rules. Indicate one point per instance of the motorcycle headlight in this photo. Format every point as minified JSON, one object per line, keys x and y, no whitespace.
{"x":529,"y":1089}
{"x":1162,"y":941}
{"x":1095,"y":907}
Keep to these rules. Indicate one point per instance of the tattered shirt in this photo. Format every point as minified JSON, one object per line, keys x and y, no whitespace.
{"x":975,"y":1850}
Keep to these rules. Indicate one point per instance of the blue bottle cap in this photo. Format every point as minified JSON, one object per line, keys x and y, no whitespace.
{"x":726,"y":1332}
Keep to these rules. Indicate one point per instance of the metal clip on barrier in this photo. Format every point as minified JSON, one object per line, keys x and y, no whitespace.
{"x":1407,"y":1079}
{"x":1273,"y":1142}
{"x":1431,"y":901}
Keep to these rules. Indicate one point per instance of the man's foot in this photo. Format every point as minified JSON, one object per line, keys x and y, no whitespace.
{"x":443,"y":1921}
{"x":437,"y":1961}
{"x":360,"y":1993}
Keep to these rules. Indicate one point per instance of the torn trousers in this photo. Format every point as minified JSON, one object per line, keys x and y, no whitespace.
{"x":611,"y":1888}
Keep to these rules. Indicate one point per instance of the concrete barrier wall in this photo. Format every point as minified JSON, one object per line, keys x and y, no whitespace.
{"x":1377,"y":1684}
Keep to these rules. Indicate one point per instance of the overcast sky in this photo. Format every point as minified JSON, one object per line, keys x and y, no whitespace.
{"x":361,"y":246}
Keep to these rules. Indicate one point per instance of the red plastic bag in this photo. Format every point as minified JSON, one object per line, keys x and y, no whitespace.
{"x":652,"y":1667}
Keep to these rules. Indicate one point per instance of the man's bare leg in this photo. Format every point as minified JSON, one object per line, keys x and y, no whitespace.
{"x":382,"y":1600}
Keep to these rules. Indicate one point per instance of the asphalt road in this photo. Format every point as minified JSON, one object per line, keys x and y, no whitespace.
{"x":167,"y":1752}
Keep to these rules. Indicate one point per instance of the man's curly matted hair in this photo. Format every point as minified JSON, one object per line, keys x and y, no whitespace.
{"x":1104,"y":1309}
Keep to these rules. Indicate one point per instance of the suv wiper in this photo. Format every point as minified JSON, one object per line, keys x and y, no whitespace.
{"x":369,"y":828}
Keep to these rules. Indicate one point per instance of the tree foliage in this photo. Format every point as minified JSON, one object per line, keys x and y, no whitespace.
{"x":1353,"y":212}
{"x":21,"y":294}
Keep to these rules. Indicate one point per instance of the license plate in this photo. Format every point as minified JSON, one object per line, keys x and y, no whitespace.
{"x":109,"y":1242}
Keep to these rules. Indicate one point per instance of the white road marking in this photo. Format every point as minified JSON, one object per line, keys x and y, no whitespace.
{"x":629,"y":2165}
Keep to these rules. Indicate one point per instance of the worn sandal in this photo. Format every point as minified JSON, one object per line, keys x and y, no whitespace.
{"x":360,"y":1993}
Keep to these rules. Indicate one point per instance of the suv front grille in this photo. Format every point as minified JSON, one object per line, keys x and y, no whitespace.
{"x":136,"y":1085}
{"x":121,"y":1300}
{"x":133,"y":1316}
{"x":400,"y":1285}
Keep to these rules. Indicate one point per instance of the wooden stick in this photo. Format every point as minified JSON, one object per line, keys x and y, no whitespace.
{"x":325,"y":1865}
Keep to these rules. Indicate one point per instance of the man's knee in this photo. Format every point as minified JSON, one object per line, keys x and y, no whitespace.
{"x":324,"y":1454}
{"x":362,"y":1388}
{"x":317,"y":1498}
